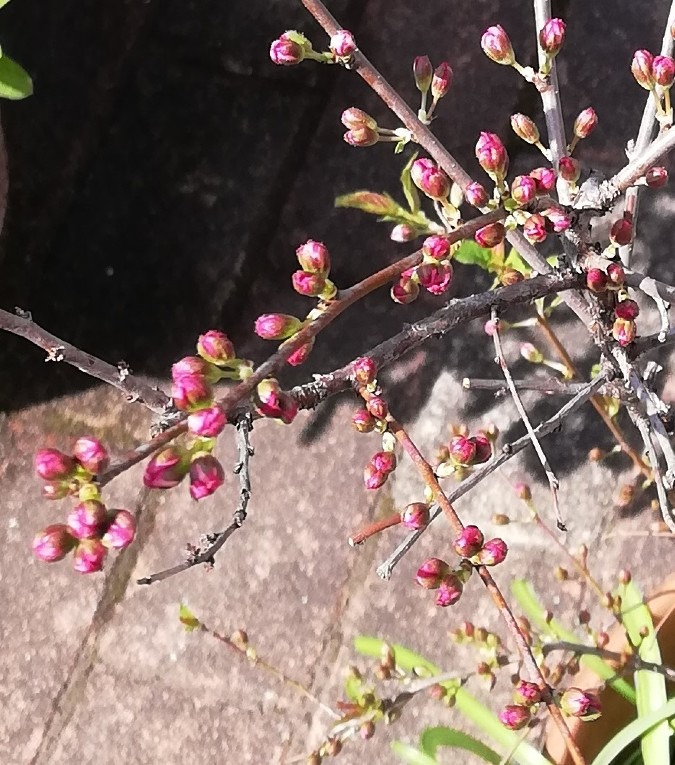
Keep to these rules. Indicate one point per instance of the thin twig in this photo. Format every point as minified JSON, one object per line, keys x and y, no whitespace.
{"x":549,"y":385}
{"x":638,"y":166}
{"x":553,"y":482}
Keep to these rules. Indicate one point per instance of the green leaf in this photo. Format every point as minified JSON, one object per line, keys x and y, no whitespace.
{"x":409,"y":189}
{"x":432,"y":738}
{"x":536,"y":613}
{"x":188,"y":619}
{"x":632,"y":732}
{"x":15,"y":82}
{"x":472,"y":254}
{"x":370,"y":202}
{"x":650,"y":687}
{"x":514,"y":261}
{"x":3,"y":3}
{"x":410,"y":754}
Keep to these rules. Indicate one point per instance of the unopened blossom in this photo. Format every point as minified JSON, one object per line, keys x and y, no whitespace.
{"x":491,"y":155}
{"x":301,"y":354}
{"x":483,"y":448}
{"x":362,"y":137}
{"x":616,"y":276}
{"x":166,"y":469}
{"x":191,"y":393}
{"x":308,"y":284}
{"x":526,"y":693}
{"x":207,"y":423}
{"x":54,"y":465}
{"x":365,"y":370}
{"x":276,"y":326}
{"x":405,"y":291}
{"x":656,"y":177}
{"x":86,"y":519}
{"x":216,"y":347}
{"x":402,"y":232}
{"x":523,"y":189}
{"x":621,"y":232}
{"x":272,"y":401}
{"x":423,"y":73}
{"x":342,"y":43}
{"x":596,"y":280}
{"x":89,"y":556}
{"x":91,"y":454}
{"x":523,"y":491}
{"x":372,"y":477}
{"x":314,"y":257}
{"x":468,"y":542}
{"x":206,"y":475}
{"x":431,"y":573}
{"x":195,"y":366}
{"x":552,"y":36}
{"x":624,"y":331}
{"x":415,"y":516}
{"x":430,"y":179}
{"x":476,"y":195}
{"x":641,"y":67}
{"x":441,"y":81}
{"x":525,"y":128}
{"x":514,"y":716}
{"x":384,"y":462}
{"x":462,"y":450}
{"x":53,"y":543}
{"x":287,"y":51}
{"x":585,"y":123}
{"x":569,"y":169}
{"x":435,"y":277}
{"x":492,"y":553}
{"x":663,"y":71}
{"x":377,"y":406}
{"x":449,"y":591}
{"x":497,"y":45}
{"x":531,"y":353}
{"x":544,"y":178}
{"x":491,"y":235}
{"x":559,"y":220}
{"x":436,"y":247}
{"x":582,"y":704}
{"x":363,"y":421}
{"x":534,"y":228}
{"x":121,"y":531}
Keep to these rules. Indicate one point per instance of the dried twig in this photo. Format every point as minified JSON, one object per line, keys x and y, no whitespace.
{"x":548,"y":385}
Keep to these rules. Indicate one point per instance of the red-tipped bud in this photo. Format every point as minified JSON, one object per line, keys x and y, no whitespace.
{"x":627,"y":309}
{"x":207,"y":423}
{"x":195,"y":366}
{"x":53,"y":465}
{"x":552,"y":36}
{"x":534,"y":228}
{"x":491,"y":155}
{"x":544,"y":177}
{"x":286,"y":52}
{"x":491,"y":235}
{"x":86,"y":519}
{"x":271,"y":401}
{"x":577,"y":703}
{"x":301,"y":354}
{"x":531,"y":353}
{"x":89,"y":556}
{"x":449,"y":590}
{"x":365,"y":371}
{"x":493,"y":552}
{"x":462,"y":450}
{"x":523,"y":189}
{"x":363,"y":421}
{"x":497,"y":46}
{"x":314,"y":257}
{"x":423,"y":73}
{"x":384,"y":462}
{"x":372,"y":477}
{"x":621,"y":232}
{"x":663,"y":71}
{"x":308,"y":284}
{"x":656,"y":177}
{"x":483,"y":448}
{"x":526,"y":693}
{"x":166,"y":469}
{"x":615,"y":275}
{"x":514,"y":716}
{"x":206,"y":475}
{"x":361,"y":137}
{"x":524,"y":128}
{"x":468,"y":542}
{"x":624,"y":332}
{"x":415,"y":516}
{"x":430,"y":179}
{"x":441,"y":81}
{"x":431,"y":573}
{"x":435,"y":278}
{"x":91,"y":454}
{"x":476,"y":195}
{"x":596,"y":280}
{"x":122,"y":530}
{"x":53,"y":543}
{"x":276,"y":326}
{"x":405,"y":291}
{"x":216,"y":347}
{"x":569,"y":169}
{"x":342,"y":43}
{"x":523,"y":491}
{"x":641,"y":67}
{"x":402,"y":233}
{"x":377,"y":406}
{"x":585,"y":123}
{"x":436,"y":247}
{"x":558,"y":219}
{"x":191,"y":393}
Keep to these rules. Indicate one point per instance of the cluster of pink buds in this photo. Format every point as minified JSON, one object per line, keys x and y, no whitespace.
{"x":362,"y":129}
{"x":526,"y":696}
{"x":650,"y":71}
{"x":90,"y":529}
{"x":492,"y":157}
{"x":434,"y":274}
{"x":427,"y":79}
{"x":436,"y":574}
{"x":312,"y":280}
{"x":497,"y":46}
{"x":376,"y":472}
{"x":293,"y":47}
{"x":471,"y":544}
{"x":537,"y":226}
{"x":624,"y":329}
{"x":463,"y":452}
{"x":171,"y":465}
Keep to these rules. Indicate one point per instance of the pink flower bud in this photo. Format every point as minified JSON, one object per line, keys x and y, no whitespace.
{"x":206,"y":475}
{"x":534,"y":229}
{"x":431,"y":573}
{"x":91,"y":454}
{"x":286,"y":52}
{"x":53,"y":543}
{"x":585,"y":123}
{"x":468,"y":542}
{"x":449,"y":591}
{"x":544,"y":177}
{"x":524,"y":128}
{"x":552,"y":36}
{"x":497,"y":46}
{"x":526,"y":693}
{"x":273,"y":402}
{"x":276,"y":326}
{"x":363,"y":421}
{"x":493,"y":552}
{"x":207,"y":423}
{"x":462,"y":450}
{"x":491,"y":155}
{"x":656,"y":177}
{"x":531,"y":353}
{"x":365,"y":371}
{"x":301,"y":354}
{"x":430,"y":179}
{"x":423,"y":73}
{"x":372,"y":477}
{"x":405,"y":291}
{"x":621,"y":232}
{"x":514,"y":716}
{"x":361,"y":137}
{"x":216,"y":347}
{"x":558,"y":219}
{"x":483,"y":448}
{"x":195,"y":366}
{"x":627,"y":309}
{"x":616,"y":275}
{"x":624,"y":331}
{"x":89,"y":556}
{"x":641,"y":67}
{"x":523,"y":491}
{"x":435,"y":278}
{"x":442,"y":80}
{"x":523,"y":189}
{"x":86,"y":519}
{"x":166,"y":469}
{"x":342,"y":43}
{"x":577,"y":703}
{"x":314,"y":257}
{"x":663,"y":71}
{"x":436,"y":247}
{"x":310,"y":285}
{"x":476,"y":195}
{"x":191,"y":393}
{"x":53,"y":465}
{"x":491,"y":235}
{"x":384,"y":462}
{"x":569,"y":169}
{"x":415,"y":516}
{"x":596,"y":280}
{"x":490,"y":327}
{"x":377,"y":406}
{"x":121,"y":531}
{"x":402,"y":233}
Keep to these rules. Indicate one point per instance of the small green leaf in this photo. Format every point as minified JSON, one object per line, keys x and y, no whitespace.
{"x":514,"y":261}
{"x":15,"y":82}
{"x":432,"y":738}
{"x":188,"y":619}
{"x":409,"y":189}
{"x":370,"y":202}
{"x":411,"y":755}
{"x":3,"y":3}
{"x":472,"y":254}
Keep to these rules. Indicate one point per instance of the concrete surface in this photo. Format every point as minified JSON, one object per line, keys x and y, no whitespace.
{"x":160,"y":180}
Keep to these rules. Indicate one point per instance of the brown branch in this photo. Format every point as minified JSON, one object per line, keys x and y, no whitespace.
{"x":639,"y":165}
